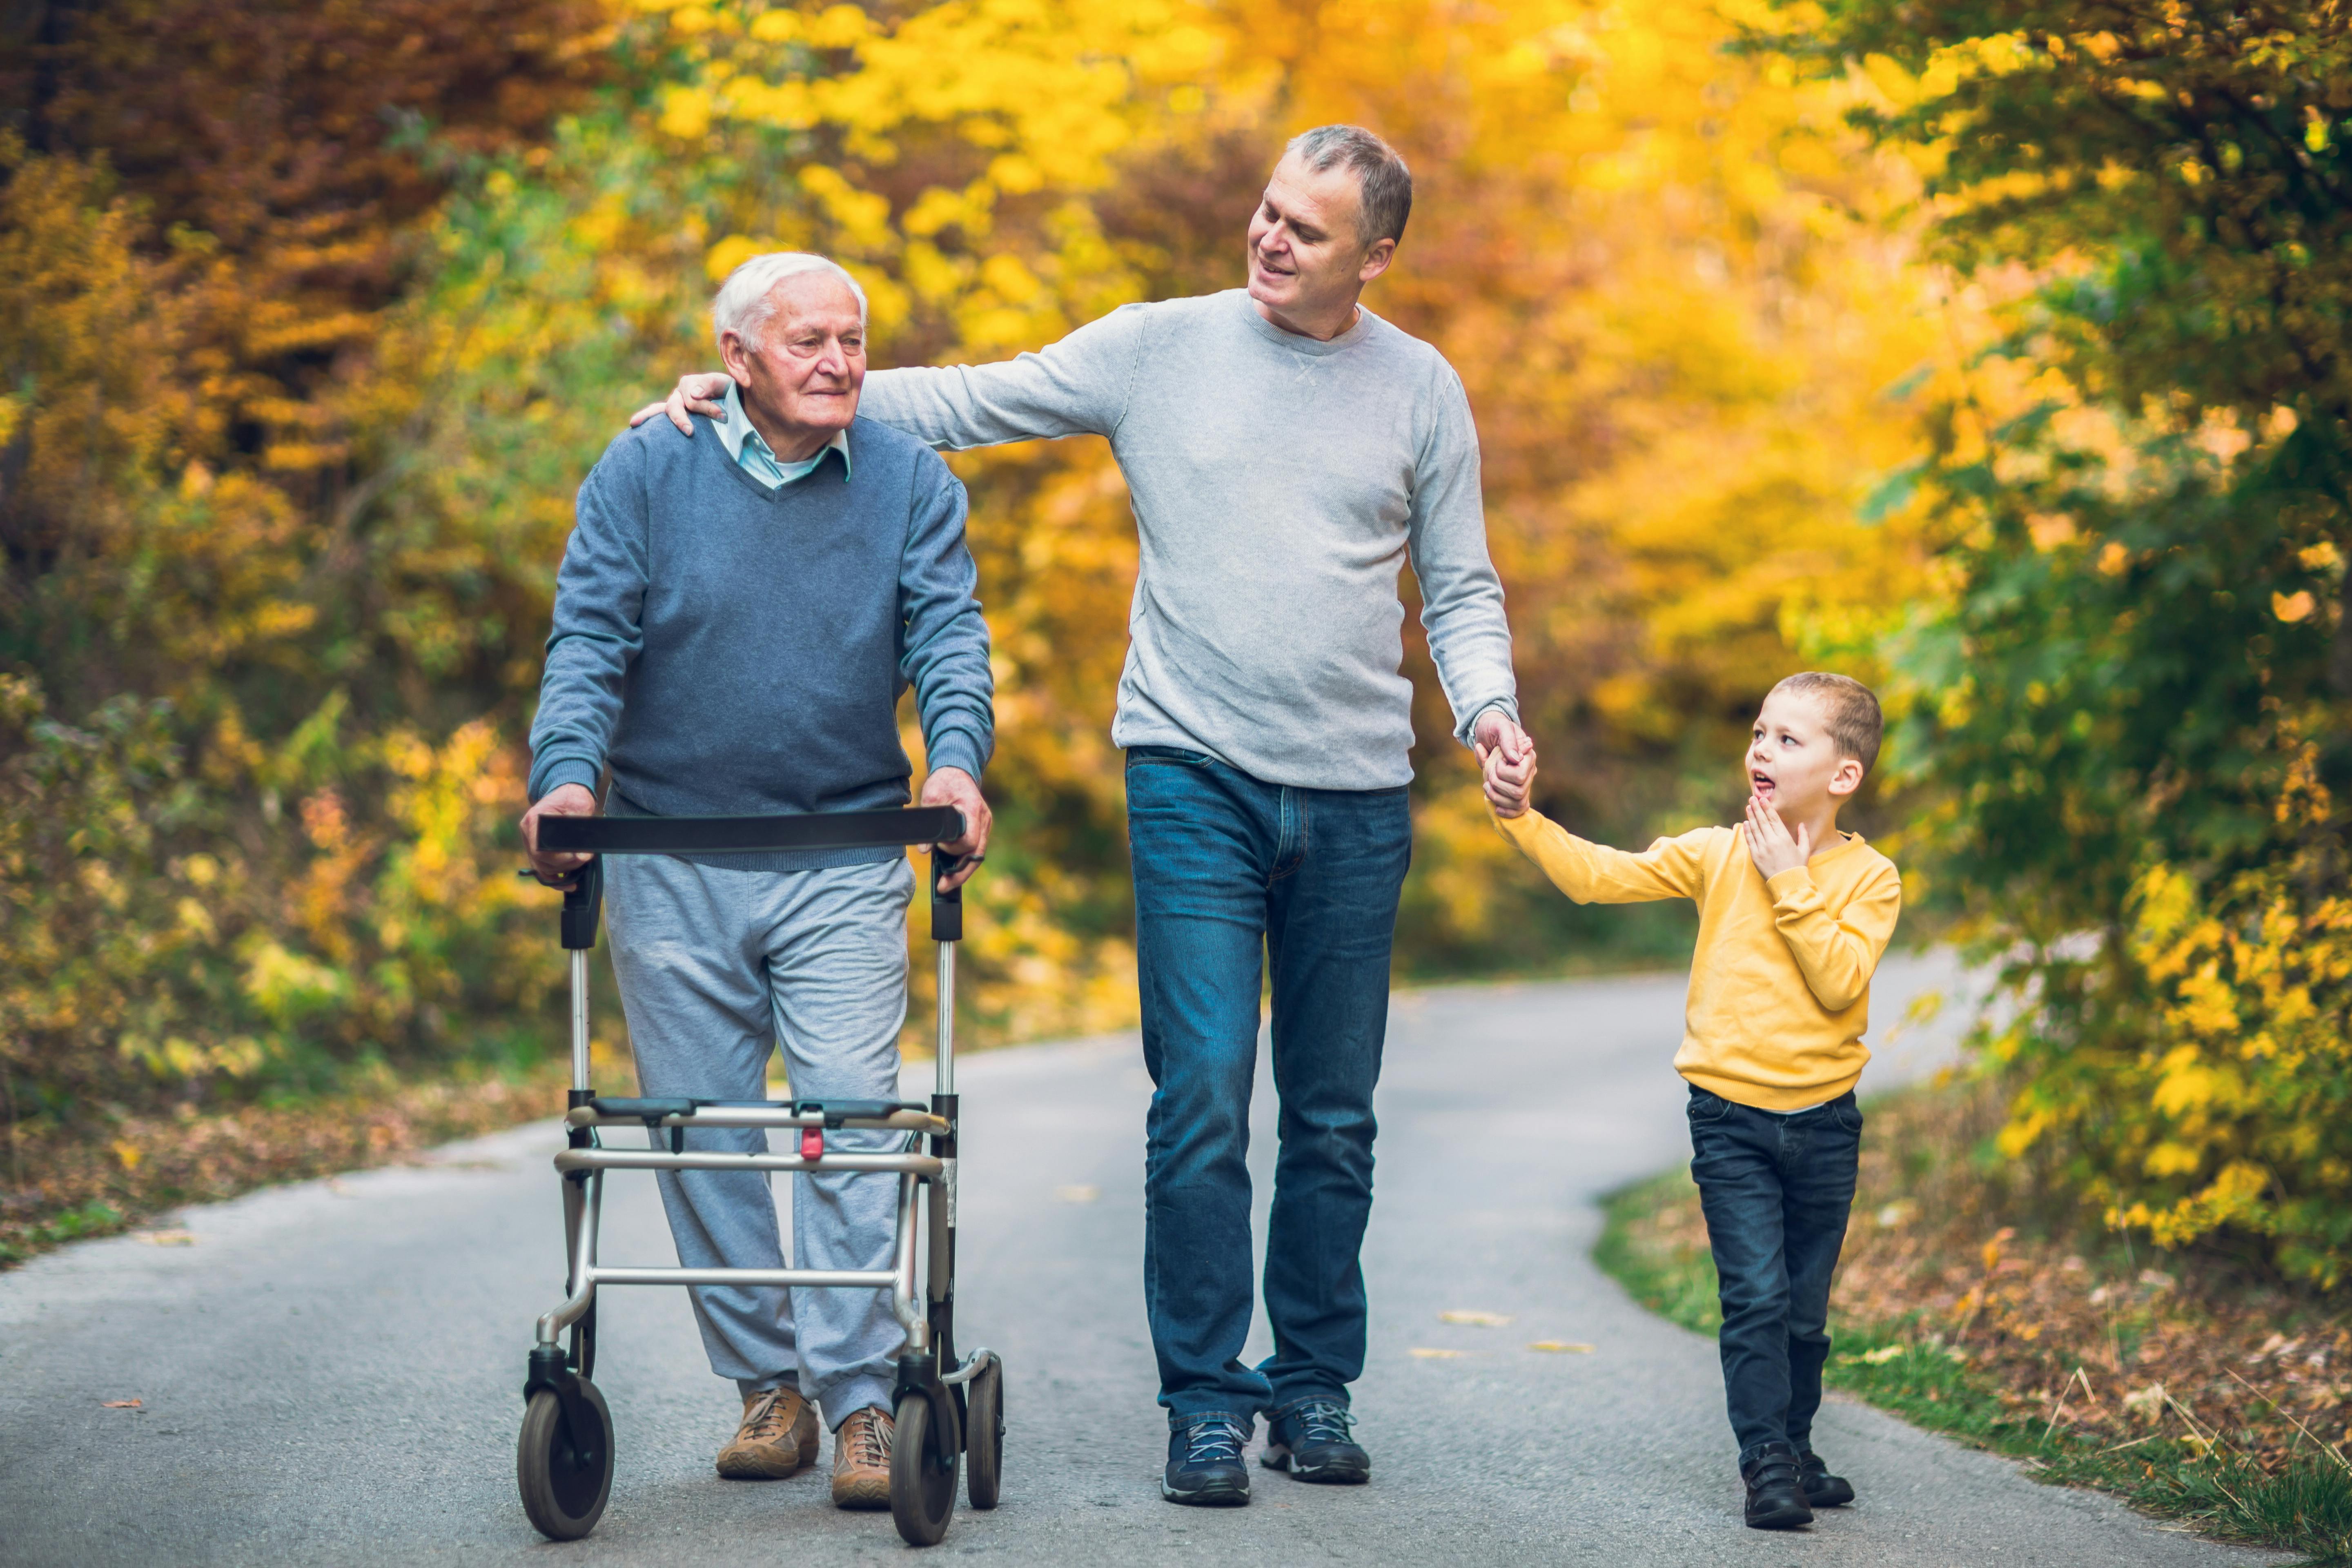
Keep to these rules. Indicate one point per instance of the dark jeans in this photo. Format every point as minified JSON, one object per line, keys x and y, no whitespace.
{"x":1776,"y":1190}
{"x":1228,"y":869}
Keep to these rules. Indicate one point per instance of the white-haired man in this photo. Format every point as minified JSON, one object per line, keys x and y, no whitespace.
{"x":1286,"y":451}
{"x":734,"y":623}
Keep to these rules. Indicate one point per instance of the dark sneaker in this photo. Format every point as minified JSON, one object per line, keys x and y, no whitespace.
{"x":1205,"y":1461}
{"x":1313,"y":1439}
{"x":1776,"y":1493}
{"x":1822,"y":1489}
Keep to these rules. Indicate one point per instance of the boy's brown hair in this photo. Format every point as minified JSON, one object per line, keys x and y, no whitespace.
{"x":1856,"y":724}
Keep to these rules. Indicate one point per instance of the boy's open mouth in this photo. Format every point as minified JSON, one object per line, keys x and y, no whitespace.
{"x":1760,"y":782}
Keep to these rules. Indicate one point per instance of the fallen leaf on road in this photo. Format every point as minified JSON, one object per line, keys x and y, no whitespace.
{"x":1484,"y":1320}
{"x":1560,"y":1347}
{"x":1077,"y":1194}
{"x":1426,"y":1353}
{"x":120,"y":1404}
{"x":167,"y":1238}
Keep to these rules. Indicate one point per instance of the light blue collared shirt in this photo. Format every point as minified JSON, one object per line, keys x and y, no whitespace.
{"x":751,"y":452}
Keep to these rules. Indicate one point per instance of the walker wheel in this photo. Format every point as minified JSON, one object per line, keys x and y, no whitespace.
{"x":983,"y":1435}
{"x":922,"y":1479}
{"x":565,"y":1477}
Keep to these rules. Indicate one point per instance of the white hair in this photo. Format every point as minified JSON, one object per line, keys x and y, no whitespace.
{"x":747,"y":299}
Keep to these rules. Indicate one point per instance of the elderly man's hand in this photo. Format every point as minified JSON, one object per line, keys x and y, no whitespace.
{"x":955,"y":787}
{"x":555,"y":866}
{"x":698,"y":392}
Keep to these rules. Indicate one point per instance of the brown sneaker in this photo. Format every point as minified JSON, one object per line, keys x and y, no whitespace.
{"x":778,"y":1437}
{"x":861,"y":1459}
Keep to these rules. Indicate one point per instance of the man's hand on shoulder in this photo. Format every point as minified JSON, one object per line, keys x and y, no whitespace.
{"x":1507,"y":758}
{"x":564,"y":799}
{"x":955,"y":787}
{"x":697,"y":392}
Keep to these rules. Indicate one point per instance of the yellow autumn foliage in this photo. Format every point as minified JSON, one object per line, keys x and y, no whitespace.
{"x":1676,"y":285}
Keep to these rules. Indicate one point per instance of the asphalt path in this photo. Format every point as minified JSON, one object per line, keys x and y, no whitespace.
{"x":329,"y":1373}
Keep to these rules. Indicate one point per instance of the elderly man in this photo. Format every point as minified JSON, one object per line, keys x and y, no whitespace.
{"x":1286,"y":451}
{"x":734,"y":623}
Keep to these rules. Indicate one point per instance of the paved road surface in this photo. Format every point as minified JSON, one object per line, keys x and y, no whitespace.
{"x":329,"y":1373}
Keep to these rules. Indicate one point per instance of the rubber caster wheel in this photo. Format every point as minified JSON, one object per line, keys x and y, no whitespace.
{"x":983,"y":1435}
{"x":922,"y":1479}
{"x":565,"y":1475}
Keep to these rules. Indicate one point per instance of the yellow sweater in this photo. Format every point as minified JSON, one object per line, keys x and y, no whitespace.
{"x":1779,"y":986}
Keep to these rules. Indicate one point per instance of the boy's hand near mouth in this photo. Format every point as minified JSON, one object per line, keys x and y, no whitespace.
{"x":1769,"y":844}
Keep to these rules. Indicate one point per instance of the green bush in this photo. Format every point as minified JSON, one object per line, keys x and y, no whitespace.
{"x":2123,"y":723}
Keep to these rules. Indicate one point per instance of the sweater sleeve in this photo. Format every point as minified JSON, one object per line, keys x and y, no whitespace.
{"x":1461,"y":597}
{"x":1593,"y":873}
{"x":1077,"y":386}
{"x":944,"y":642}
{"x":600,"y":596}
{"x":1836,"y":951}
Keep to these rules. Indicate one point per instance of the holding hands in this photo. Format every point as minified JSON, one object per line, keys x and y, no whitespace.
{"x":1770,"y":843}
{"x":1507,"y":757}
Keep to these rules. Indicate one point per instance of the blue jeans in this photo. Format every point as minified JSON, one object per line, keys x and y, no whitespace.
{"x":1776,"y":1190}
{"x":1228,"y":868}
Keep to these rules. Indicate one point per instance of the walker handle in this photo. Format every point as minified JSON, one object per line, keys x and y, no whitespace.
{"x":582,"y":900}
{"x":947,"y":909}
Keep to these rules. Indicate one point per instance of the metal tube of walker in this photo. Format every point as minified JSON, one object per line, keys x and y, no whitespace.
{"x":943,"y":1081}
{"x":580,"y":1018}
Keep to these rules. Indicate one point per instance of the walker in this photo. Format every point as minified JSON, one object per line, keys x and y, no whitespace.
{"x":948,"y":1410}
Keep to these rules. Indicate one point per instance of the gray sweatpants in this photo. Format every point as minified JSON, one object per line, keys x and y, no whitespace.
{"x":717,"y":966}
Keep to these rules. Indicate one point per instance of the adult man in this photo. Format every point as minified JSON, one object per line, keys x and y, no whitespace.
{"x":734,"y":623}
{"x":1286,"y":450}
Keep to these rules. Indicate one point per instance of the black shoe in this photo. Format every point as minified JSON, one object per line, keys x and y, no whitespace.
{"x":1313,"y":1439}
{"x":1205,"y":1461}
{"x":1776,"y":1494}
{"x":1823,"y":1490}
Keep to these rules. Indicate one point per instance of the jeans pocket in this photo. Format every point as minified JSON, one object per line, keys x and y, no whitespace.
{"x":1847,"y":1114}
{"x":1706,"y":1107}
{"x":1138,"y":756}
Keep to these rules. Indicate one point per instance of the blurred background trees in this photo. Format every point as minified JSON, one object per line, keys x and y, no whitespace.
{"x":1994,"y":352}
{"x":312,"y":318}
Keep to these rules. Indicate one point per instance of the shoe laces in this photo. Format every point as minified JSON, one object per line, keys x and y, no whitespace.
{"x":1217,"y":1440}
{"x":1324,"y":1421}
{"x":766,"y":1419}
{"x":867,"y":1433}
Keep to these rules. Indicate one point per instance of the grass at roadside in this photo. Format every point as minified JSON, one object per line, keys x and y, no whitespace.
{"x":71,"y":1184}
{"x":2194,"y":1391}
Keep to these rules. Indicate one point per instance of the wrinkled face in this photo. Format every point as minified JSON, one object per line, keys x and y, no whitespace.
{"x":811,"y":362}
{"x":1305,"y":256}
{"x":1793,"y":765}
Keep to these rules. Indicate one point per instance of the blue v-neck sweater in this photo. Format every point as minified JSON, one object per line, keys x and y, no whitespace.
{"x":729,"y":649}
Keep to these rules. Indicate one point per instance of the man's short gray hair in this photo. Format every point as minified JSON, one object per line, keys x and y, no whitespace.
{"x":745,"y":301}
{"x":1383,"y":182}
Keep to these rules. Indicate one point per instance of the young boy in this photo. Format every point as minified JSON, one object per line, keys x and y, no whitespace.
{"x":1793,"y":917}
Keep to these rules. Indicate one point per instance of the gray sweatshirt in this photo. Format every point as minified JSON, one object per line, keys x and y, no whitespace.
{"x":1279,"y":484}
